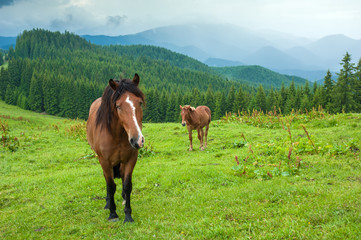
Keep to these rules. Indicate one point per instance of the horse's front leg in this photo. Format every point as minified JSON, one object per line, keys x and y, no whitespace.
{"x":190,"y":139}
{"x":127,"y":188}
{"x":111,"y":188}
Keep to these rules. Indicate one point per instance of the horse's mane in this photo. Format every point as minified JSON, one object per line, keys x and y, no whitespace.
{"x":105,"y":112}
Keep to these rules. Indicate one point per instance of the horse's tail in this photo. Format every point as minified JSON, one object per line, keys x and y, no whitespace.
{"x":209,"y":114}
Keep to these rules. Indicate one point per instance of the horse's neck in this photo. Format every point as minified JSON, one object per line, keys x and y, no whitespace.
{"x":192,"y":117}
{"x":118,"y":130}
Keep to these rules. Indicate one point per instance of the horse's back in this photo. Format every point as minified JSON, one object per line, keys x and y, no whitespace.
{"x":205,"y":113}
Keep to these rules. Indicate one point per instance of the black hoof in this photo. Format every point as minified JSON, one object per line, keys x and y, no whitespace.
{"x":128,"y":219}
{"x":113,"y":217}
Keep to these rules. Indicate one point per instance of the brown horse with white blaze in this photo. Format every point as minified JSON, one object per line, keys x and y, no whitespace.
{"x":196,"y":118}
{"x":114,"y":132}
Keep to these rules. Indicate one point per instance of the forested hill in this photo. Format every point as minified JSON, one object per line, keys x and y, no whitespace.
{"x":255,"y":75}
{"x":62,"y":73}
{"x":157,"y":67}
{"x":158,"y":53}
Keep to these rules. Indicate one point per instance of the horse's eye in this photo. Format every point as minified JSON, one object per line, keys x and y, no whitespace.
{"x":118,"y":107}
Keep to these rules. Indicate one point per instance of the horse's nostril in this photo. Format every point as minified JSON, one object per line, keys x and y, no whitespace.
{"x":132,"y":141}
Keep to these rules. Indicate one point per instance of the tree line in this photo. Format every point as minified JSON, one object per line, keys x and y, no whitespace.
{"x":61,"y":74}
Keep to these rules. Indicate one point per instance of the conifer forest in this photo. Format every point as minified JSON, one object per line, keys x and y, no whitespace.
{"x":61,"y":74}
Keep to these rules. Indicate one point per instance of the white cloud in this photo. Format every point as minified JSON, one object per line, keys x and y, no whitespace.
{"x":310,"y":18}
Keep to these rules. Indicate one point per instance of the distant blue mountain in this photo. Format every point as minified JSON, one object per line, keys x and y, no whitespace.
{"x":311,"y":76}
{"x":273,"y":58}
{"x":229,"y":45}
{"x":218,"y":62}
{"x":118,"y":40}
{"x":6,"y":42}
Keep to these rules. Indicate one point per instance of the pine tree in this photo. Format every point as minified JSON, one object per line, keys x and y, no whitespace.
{"x":9,"y":95}
{"x":1,"y":58}
{"x":209,"y":98}
{"x":177,"y":115}
{"x":163,"y":105}
{"x":14,"y":73}
{"x":26,"y":76}
{"x":282,"y":97}
{"x":299,"y":94}
{"x":239,"y":102}
{"x":357,"y":87}
{"x":156,"y":107}
{"x":327,"y":90}
{"x":11,"y":53}
{"x":252,"y":104}
{"x":22,"y":102}
{"x":317,"y":98}
{"x":171,"y":108}
{"x":35,"y":98}
{"x":260,"y":99}
{"x":306,"y":104}
{"x":4,"y":81}
{"x":67,"y":103}
{"x":343,"y":99}
{"x":196,"y":99}
{"x":315,"y":86}
{"x":230,"y":99}
{"x":307,"y":90}
{"x":271,"y":100}
{"x":291,"y":98}
{"x":50,"y":95}
{"x":220,"y":105}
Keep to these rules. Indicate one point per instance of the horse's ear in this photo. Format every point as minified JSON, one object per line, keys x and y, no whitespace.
{"x":113,"y":84}
{"x":180,"y":106}
{"x":136,"y":79}
{"x":193,"y":109}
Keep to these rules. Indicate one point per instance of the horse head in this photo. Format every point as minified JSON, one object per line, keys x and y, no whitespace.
{"x":185,"y":111}
{"x":128,"y":100}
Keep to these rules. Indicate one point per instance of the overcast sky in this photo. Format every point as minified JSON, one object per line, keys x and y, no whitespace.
{"x":304,"y":18}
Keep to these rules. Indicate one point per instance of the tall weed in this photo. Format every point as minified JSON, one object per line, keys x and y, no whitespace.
{"x":8,"y":142}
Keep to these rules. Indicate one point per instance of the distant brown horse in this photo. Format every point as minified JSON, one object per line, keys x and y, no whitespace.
{"x":196,"y":118}
{"x":114,"y":131}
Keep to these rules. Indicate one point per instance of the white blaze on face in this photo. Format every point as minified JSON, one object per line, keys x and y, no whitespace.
{"x":140,"y":135}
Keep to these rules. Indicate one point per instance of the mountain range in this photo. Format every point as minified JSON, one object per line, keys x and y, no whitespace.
{"x":228,"y":45}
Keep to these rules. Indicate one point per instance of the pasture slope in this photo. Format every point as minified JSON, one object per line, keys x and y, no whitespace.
{"x":52,"y":187}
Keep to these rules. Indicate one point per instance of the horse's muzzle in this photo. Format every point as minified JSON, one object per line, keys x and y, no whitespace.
{"x":183,"y":124}
{"x":137,"y":142}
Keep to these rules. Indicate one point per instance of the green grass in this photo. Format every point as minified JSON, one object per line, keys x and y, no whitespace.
{"x":5,"y":65}
{"x":52,"y":187}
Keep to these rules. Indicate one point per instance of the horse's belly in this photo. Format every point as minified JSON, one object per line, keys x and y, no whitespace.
{"x":115,"y":154}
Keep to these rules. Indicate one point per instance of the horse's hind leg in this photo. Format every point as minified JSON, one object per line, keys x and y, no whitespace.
{"x":200,"y":137}
{"x":121,"y":170}
{"x":206,"y":134}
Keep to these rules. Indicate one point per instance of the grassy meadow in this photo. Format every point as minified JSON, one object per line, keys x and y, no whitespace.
{"x":297,"y":177}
